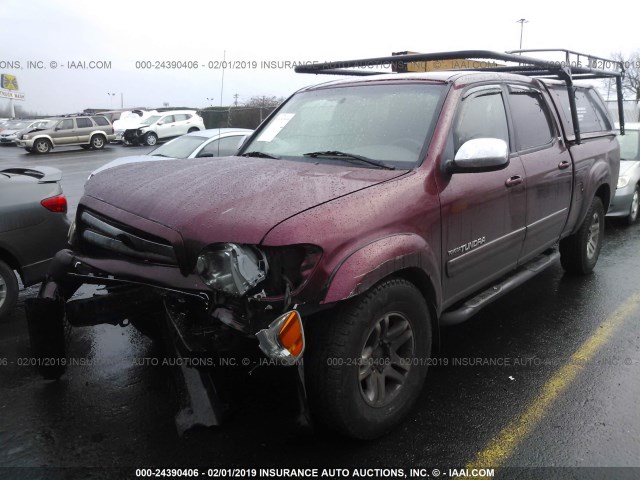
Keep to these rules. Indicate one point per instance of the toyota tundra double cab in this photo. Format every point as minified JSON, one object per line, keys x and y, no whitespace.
{"x":362,"y":216}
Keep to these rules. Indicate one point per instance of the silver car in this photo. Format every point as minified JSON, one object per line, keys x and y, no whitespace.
{"x":626,"y":201}
{"x":215,"y":142}
{"x":13,"y":129}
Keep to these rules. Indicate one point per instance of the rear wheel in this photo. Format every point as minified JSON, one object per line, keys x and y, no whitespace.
{"x":366,"y":362}
{"x":8,"y":289}
{"x":97,"y":142}
{"x":42,"y":145}
{"x":579,"y":252}
{"x":193,"y":129}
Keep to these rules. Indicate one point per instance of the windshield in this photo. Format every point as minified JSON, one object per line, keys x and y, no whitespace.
{"x":388,"y":123}
{"x":151,"y":120}
{"x":45,"y":124}
{"x":629,"y":145}
{"x":181,"y":147}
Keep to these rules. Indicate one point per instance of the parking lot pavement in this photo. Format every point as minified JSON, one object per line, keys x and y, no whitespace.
{"x":504,"y":387}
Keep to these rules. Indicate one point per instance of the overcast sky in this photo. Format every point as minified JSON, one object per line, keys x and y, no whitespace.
{"x":123,"y":32}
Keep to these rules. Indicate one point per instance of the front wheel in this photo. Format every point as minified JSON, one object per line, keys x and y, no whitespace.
{"x":42,"y":145}
{"x":579,"y":252}
{"x":367,"y":361}
{"x":633,"y":209}
{"x":150,"y":139}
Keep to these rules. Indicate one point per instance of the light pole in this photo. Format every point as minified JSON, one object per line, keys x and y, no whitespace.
{"x":111,"y":95}
{"x":522,"y":21}
{"x":210,"y":100}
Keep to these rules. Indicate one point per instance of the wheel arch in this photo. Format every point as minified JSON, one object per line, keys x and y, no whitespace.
{"x":405,"y":256}
{"x":40,"y":137}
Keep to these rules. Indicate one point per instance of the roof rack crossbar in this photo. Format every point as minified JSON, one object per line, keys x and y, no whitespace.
{"x":526,"y":65}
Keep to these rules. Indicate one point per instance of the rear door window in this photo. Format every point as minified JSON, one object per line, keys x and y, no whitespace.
{"x":84,"y":123}
{"x":531,"y":118}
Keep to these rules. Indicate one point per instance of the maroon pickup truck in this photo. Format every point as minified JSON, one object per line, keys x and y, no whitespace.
{"x":361,"y":216}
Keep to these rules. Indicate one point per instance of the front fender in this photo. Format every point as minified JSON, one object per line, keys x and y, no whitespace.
{"x":364,"y":267}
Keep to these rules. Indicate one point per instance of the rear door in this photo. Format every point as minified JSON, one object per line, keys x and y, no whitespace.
{"x":168,"y":127}
{"x":182,"y":123}
{"x":483,"y":214}
{"x":84,"y":128}
{"x":547,"y":164}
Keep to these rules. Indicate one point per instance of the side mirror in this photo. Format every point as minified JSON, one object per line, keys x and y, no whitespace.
{"x":480,"y":155}
{"x":160,"y":123}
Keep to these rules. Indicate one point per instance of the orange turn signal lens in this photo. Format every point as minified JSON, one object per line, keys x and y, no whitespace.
{"x":291,"y":334}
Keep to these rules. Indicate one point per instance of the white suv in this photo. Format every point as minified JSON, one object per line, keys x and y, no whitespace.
{"x":163,"y":126}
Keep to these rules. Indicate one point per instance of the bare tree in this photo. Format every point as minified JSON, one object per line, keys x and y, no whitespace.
{"x":264,"y":101}
{"x":631,"y":82}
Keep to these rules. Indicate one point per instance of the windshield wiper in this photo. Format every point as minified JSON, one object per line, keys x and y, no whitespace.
{"x":348,"y":156}
{"x":259,"y":155}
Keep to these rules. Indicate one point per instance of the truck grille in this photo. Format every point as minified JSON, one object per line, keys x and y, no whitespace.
{"x":102,"y":236}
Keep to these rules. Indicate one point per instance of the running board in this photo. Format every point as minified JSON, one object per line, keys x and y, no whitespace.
{"x":477,"y":303}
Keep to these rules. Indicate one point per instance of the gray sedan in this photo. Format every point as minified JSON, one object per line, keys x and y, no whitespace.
{"x":626,"y":202}
{"x":33,"y":227}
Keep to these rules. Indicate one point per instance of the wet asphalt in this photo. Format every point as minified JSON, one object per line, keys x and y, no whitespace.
{"x":118,"y":411}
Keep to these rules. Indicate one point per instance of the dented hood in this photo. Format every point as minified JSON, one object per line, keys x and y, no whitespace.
{"x":227,"y":199}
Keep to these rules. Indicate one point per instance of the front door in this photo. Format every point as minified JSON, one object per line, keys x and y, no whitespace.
{"x":483,"y":214}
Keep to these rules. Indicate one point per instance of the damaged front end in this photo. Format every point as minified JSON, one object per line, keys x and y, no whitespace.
{"x":202,"y":305}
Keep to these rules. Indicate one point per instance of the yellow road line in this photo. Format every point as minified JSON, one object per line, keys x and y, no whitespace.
{"x":503,"y":445}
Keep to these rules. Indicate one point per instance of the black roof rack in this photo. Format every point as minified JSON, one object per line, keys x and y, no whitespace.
{"x":574,"y":66}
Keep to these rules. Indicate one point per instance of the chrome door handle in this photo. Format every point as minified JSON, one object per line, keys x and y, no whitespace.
{"x":564,"y":164}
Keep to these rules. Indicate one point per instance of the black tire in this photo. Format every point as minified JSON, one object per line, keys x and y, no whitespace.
{"x":150,"y":139}
{"x":147,"y":326}
{"x":42,"y":145}
{"x":8,"y":289}
{"x":635,"y":206}
{"x":343,"y":370}
{"x":47,"y":335}
{"x":98,"y":142}
{"x":193,"y":129}
{"x":579,"y":252}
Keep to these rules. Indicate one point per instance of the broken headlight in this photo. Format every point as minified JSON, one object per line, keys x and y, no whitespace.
{"x":232,"y":268}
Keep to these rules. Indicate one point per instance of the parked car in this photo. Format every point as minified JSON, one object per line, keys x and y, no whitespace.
{"x":88,"y":132}
{"x":358,"y":219}
{"x":163,"y":126}
{"x":626,"y":202}
{"x":33,"y":227}
{"x":130,"y":119}
{"x":216,"y":142}
{"x":14,"y":128}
